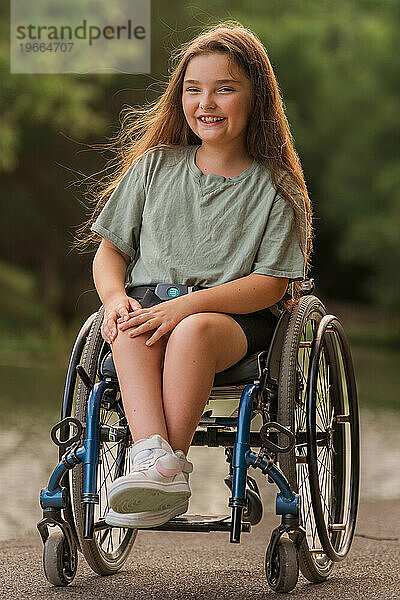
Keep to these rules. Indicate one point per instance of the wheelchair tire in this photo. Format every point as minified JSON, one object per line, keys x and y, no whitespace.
{"x":58,"y":563}
{"x":302,"y":325}
{"x":109,"y":549}
{"x":334,"y":466}
{"x":254,"y":508}
{"x":282,"y":568}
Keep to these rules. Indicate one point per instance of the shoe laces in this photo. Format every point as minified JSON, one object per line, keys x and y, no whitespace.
{"x":147,"y":458}
{"x":143,"y":460}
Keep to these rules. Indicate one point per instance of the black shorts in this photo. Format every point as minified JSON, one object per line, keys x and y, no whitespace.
{"x":258,"y":326}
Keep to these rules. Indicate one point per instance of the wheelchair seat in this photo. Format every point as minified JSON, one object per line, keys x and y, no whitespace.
{"x":244,"y":371}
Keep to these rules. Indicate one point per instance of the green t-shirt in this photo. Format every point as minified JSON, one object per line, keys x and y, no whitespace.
{"x":179,"y":225}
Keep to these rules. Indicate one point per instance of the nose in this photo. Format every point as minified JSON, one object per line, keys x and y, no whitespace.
{"x":207,"y":102}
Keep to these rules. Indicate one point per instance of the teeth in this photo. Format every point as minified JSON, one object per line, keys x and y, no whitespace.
{"x":211,"y":119}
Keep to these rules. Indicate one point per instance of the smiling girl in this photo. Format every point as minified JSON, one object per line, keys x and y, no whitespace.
{"x":209,"y":194}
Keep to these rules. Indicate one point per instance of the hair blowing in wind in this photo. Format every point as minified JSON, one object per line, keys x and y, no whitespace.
{"x":162,"y":122}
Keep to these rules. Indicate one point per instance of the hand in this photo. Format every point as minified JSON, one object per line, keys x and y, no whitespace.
{"x":116,"y":308}
{"x":162,"y":317}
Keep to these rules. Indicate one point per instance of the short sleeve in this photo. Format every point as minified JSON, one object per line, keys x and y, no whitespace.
{"x":120,"y":219}
{"x":279,"y":253}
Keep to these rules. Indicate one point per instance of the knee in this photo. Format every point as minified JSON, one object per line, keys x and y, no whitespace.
{"x":124,"y":339}
{"x":196,"y":327}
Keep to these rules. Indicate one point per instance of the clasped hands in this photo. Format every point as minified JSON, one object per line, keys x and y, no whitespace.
{"x":162,"y":317}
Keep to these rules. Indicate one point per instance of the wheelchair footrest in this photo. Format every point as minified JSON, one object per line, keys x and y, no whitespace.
{"x":197,"y":523}
{"x":200,"y":523}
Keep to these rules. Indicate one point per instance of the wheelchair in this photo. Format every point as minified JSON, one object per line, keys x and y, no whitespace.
{"x":303,"y":391}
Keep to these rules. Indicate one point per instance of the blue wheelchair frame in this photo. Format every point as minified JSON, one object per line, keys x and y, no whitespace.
{"x":54,"y":497}
{"x":259,"y":394}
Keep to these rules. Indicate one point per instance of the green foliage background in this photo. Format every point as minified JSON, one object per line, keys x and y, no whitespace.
{"x":337,"y":65}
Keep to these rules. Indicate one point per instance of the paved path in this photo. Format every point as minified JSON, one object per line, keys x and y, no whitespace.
{"x":183,"y":566}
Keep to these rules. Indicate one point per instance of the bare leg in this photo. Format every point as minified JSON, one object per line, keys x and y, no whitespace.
{"x":139,"y":373}
{"x":199,"y":346}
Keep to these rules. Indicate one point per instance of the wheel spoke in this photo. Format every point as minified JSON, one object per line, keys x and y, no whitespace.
{"x":325,"y":467}
{"x":112,"y":537}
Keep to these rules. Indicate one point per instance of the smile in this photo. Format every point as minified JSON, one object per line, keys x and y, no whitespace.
{"x":211,"y":122}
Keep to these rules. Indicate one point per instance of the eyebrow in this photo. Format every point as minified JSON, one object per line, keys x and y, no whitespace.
{"x":217,"y":81}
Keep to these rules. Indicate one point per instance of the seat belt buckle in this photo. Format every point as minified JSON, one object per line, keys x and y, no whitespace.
{"x":167,"y":291}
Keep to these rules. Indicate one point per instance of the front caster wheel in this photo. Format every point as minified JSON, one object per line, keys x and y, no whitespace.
{"x":254,"y":509}
{"x":59,"y":563}
{"x":282,"y":568}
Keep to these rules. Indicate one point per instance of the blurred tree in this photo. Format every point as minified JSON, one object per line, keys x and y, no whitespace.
{"x":337,"y":66}
{"x":338,"y":73}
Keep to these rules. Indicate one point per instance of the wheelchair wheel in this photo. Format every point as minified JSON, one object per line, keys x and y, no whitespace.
{"x":333,"y":458}
{"x":254,"y":508}
{"x":322,"y":412}
{"x":110,"y":547}
{"x":282,"y":568}
{"x":59,"y":563}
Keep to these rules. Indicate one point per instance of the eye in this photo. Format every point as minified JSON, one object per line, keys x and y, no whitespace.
{"x":196,"y":89}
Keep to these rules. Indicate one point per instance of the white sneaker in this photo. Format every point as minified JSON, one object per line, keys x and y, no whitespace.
{"x":152,"y":518}
{"x":186,"y":466}
{"x":155,"y":483}
{"x":148,"y":518}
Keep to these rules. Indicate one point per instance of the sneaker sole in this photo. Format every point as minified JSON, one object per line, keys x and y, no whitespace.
{"x":127,"y":498}
{"x":146,"y":519}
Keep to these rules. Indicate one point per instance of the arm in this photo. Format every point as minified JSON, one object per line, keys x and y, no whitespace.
{"x":244,"y":295}
{"x":109,"y":269}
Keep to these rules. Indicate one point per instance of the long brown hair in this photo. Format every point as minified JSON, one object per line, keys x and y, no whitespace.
{"x":163,"y":123}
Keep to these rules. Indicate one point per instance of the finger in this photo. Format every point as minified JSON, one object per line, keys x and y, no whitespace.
{"x":122,"y":313}
{"x":133,"y":321}
{"x":108,"y":336}
{"x":132,"y":313}
{"x":134,"y":304}
{"x":124,"y":325}
{"x":111,"y":327}
{"x":155,"y":337}
{"x":142,"y":328}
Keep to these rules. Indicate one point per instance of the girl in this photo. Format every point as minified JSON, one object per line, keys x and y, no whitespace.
{"x":210,"y":193}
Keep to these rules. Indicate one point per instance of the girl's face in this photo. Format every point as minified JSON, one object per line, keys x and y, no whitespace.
{"x":209,"y":89}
